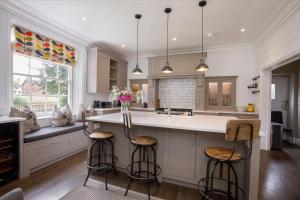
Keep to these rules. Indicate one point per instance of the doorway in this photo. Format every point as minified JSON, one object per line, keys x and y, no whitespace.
{"x":285,"y":104}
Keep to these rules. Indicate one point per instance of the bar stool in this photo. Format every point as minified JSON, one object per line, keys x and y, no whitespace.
{"x":240,"y":132}
{"x":142,"y":170}
{"x":100,"y":139}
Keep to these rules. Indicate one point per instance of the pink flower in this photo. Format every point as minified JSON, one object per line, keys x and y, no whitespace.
{"x":125,"y":98}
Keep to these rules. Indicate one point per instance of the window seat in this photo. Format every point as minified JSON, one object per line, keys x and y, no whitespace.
{"x":48,"y":132}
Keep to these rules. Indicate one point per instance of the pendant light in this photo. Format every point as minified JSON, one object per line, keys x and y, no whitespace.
{"x":137,"y":70}
{"x":202,"y":67}
{"x":167,"y":69}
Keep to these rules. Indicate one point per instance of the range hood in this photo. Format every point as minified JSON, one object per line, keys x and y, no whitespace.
{"x":183,"y":66}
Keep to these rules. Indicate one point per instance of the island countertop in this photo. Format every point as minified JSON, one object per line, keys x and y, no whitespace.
{"x":203,"y":123}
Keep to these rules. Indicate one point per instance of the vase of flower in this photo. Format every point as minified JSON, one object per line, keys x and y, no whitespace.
{"x":124,"y":96}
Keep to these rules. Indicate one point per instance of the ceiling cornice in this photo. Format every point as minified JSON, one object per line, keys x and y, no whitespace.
{"x":279,"y":17}
{"x":219,"y":49}
{"x":21,"y":10}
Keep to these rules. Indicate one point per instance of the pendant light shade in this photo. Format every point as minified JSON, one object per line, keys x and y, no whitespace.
{"x":202,"y":67}
{"x":137,"y":70}
{"x":167,"y":69}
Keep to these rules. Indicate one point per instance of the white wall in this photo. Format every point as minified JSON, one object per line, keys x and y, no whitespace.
{"x":239,"y":62}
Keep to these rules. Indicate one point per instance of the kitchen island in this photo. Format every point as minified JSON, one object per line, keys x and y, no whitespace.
{"x":181,"y":143}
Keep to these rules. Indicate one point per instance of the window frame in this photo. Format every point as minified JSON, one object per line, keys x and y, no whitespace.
{"x":70,"y":82}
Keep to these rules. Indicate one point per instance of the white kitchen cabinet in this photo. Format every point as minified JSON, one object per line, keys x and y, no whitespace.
{"x":179,"y":155}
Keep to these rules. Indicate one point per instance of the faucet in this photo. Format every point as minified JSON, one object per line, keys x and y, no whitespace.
{"x":169,"y":107}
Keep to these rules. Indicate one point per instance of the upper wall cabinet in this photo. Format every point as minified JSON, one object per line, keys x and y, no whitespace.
{"x":220,"y":93}
{"x":104,"y":71}
{"x":183,"y":65}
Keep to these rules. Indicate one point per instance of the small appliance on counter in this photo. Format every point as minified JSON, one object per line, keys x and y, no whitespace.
{"x":250,"y":107}
{"x":102,"y":104}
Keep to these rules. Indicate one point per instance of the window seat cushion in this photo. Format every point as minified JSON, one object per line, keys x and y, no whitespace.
{"x":48,"y":132}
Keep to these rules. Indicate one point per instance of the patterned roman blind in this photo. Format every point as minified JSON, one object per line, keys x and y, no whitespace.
{"x":33,"y":44}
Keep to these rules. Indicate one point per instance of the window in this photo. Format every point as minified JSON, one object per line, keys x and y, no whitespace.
{"x":273,"y":88}
{"x":40,"y":84}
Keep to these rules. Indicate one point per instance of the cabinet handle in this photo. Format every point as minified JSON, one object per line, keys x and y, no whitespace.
{"x":54,"y":142}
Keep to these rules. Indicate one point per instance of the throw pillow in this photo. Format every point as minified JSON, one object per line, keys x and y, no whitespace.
{"x":62,"y":116}
{"x":31,"y":123}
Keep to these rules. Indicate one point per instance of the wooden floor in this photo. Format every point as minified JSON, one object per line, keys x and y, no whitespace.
{"x":279,"y":179}
{"x":280,"y":174}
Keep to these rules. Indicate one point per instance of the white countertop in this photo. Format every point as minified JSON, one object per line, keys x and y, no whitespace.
{"x":6,"y":119}
{"x":224,"y":112}
{"x":204,"y":123}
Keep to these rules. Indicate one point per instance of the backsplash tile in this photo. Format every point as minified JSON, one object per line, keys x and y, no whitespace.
{"x":180,"y":91}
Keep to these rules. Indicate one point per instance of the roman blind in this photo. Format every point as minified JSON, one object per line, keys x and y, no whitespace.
{"x":33,"y":44}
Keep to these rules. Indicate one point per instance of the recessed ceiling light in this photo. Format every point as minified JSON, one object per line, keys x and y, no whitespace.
{"x":243,"y":30}
{"x":209,"y":34}
{"x":123,"y":45}
{"x":84,"y":19}
{"x":174,"y":38}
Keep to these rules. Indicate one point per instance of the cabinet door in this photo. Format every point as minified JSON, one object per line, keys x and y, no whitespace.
{"x":179,"y":155}
{"x":212,"y":95}
{"x":122,"y":75}
{"x":227,"y":94}
{"x":103,"y":73}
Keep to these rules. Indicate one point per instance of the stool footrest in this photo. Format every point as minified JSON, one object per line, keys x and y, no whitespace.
{"x":133,"y":171}
{"x":212,"y":192}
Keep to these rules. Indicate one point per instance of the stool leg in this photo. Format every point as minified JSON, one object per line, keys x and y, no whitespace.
{"x":90,"y":163}
{"x":236,"y":182}
{"x":228,"y":182}
{"x":128,"y":186}
{"x":140,"y":159}
{"x":212,"y":176}
{"x":207,"y":175}
{"x":154,"y":165}
{"x":105,"y":164}
{"x":113,"y":157}
{"x":148,"y":191}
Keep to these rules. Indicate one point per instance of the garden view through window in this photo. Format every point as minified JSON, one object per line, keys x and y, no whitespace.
{"x":40,"y":84}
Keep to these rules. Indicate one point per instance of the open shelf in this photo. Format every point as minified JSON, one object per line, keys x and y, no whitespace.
{"x":5,"y":140}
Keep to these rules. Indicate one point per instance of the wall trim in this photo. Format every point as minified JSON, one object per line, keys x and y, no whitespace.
{"x":220,"y":49}
{"x":275,"y":22}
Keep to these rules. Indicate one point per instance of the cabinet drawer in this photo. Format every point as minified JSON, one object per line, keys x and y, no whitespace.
{"x":46,"y":151}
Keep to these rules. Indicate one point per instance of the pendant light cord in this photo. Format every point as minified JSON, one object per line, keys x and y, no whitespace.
{"x":168,"y":38}
{"x":137,"y":42}
{"x":202,"y":32}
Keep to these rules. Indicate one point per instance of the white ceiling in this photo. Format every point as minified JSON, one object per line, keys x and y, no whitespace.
{"x":112,"y":22}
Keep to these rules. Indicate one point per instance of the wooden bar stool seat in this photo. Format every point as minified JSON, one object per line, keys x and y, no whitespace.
{"x":101,"y":135}
{"x":221,"y":153}
{"x":144,"y":140}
